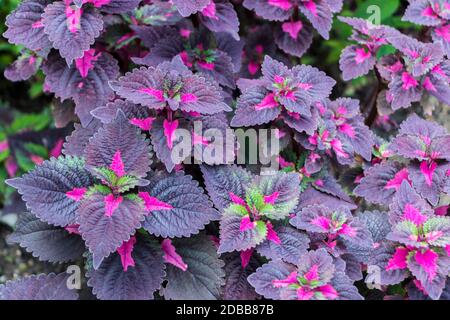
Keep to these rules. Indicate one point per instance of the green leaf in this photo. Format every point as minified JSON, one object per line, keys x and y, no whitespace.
{"x":385,"y":50}
{"x":36,"y":149}
{"x":30,"y":121}
{"x":24,"y":162}
{"x":255,"y":199}
{"x":386,"y":8}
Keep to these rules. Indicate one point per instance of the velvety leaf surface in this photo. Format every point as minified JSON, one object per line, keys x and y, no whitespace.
{"x":191,"y":208}
{"x":294,"y":244}
{"x":119,"y":135}
{"x":77,"y":141}
{"x":20,"y":26}
{"x":40,"y":287}
{"x":46,"y":242}
{"x":139,"y":282}
{"x":262,"y":279}
{"x":71,"y":43}
{"x":103,"y":234}
{"x":204,"y":276}
{"x":236,"y":285}
{"x":44,"y":189}
{"x":221,"y":180}
{"x":88,"y":92}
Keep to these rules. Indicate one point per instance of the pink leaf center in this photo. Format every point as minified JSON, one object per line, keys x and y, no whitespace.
{"x":427,"y":171}
{"x":111,"y":204}
{"x":267,"y":103}
{"x":313,"y":273}
{"x":86,"y":63}
{"x":397,"y":180}
{"x":398,"y":260}
{"x":292,"y":28}
{"x":158,"y":94}
{"x":188,"y":98}
{"x":361,"y":55}
{"x":117,"y":164}
{"x":270,"y":199}
{"x":412,"y":214}
{"x":76,"y":194}
{"x":73,"y":16}
{"x":143,"y":124}
{"x":272,"y":234}
{"x":246,"y":224}
{"x":408,"y":81}
{"x":152,"y":203}
{"x":428,"y":261}
{"x":245,"y":257}
{"x":169,"y":131}
{"x":236,"y":199}
{"x":210,"y":11}
{"x":171,"y":256}
{"x":291,"y":279}
{"x":125,"y":251}
{"x":311,"y":6}
{"x":282,"y":4}
{"x":57,"y":148}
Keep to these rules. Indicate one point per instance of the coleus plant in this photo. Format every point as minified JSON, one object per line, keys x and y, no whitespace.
{"x":433,"y":14}
{"x":416,"y":68}
{"x":418,"y":155}
{"x":142,"y":222}
{"x":294,"y":33}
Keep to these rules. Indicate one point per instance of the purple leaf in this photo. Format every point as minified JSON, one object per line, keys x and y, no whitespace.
{"x":270,"y":11}
{"x":204,"y":275}
{"x":107,"y":114}
{"x":380,"y":258}
{"x":233,"y":239}
{"x":406,"y":197}
{"x":255,"y":106}
{"x":312,"y":196}
{"x":88,"y":92}
{"x":343,"y":284}
{"x":286,"y":188}
{"x":117,"y":6}
{"x":76,"y":143}
{"x":188,"y":7}
{"x":236,"y":284}
{"x":319,"y":14}
{"x":44,"y":189}
{"x":262,"y":279}
{"x":429,"y":189}
{"x":355,"y":61}
{"x":104,"y":233}
{"x":293,"y":245}
{"x":381,"y":182}
{"x":139,"y":282}
{"x":421,"y":12}
{"x":432,"y":285}
{"x":72,"y":31}
{"x":190,"y":208}
{"x":160,"y":144}
{"x":294,"y":41}
{"x":40,"y":287}
{"x":221,"y":180}
{"x":123,"y":137}
{"x":219,"y":16}
{"x":22,"y":69}
{"x":46,"y":242}
{"x":25,"y":26}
